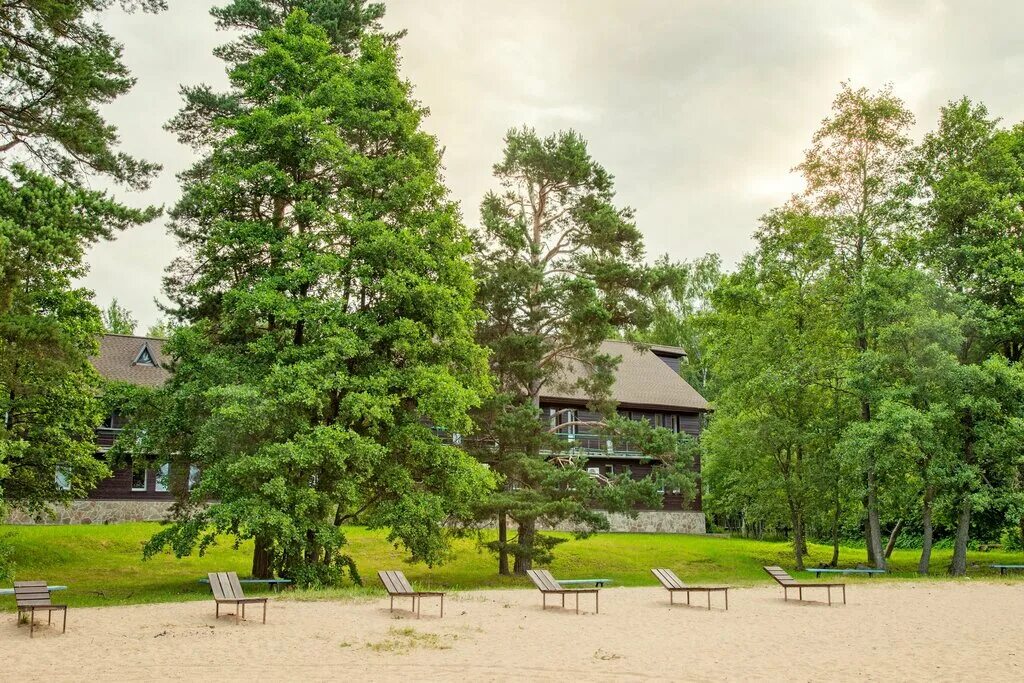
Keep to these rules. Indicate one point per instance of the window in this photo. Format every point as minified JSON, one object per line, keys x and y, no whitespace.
{"x":140,"y":480}
{"x":113,"y":421}
{"x":145,"y":357}
{"x":62,"y":479}
{"x":609,"y":470}
{"x":193,"y":476}
{"x":456,"y":439}
{"x":162,"y":478}
{"x":673,"y":423}
{"x":594,"y":471}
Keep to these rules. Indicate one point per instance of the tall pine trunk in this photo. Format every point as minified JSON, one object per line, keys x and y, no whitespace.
{"x":874,"y":528}
{"x":524,"y":558}
{"x":926,"y":536}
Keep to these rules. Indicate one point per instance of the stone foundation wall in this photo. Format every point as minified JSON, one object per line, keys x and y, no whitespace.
{"x":99,"y":512}
{"x":653,"y":522}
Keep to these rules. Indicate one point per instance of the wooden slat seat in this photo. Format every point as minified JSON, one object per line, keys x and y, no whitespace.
{"x":32,"y":597}
{"x":397,"y":585}
{"x":783,"y":578}
{"x":227,"y":590}
{"x":547,"y":584}
{"x":674,"y":585}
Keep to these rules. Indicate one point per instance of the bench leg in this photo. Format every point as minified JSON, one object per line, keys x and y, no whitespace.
{"x":391,"y":607}
{"x":709,"y":601}
{"x":264,"y":611}
{"x":671,"y":597}
{"x":419,"y":603}
{"x":785,"y":593}
{"x":237,"y":612}
{"x":829,"y":589}
{"x":64,"y":628}
{"x":577,"y":602}
{"x":31,"y":623}
{"x":563,"y":600}
{"x":800,"y":594}
{"x":442,"y":605}
{"x":844,"y":593}
{"x":687,"y":597}
{"x":544,"y":600}
{"x":726,"y":600}
{"x":217,"y":611}
{"x":597,"y":603}
{"x":243,"y":610}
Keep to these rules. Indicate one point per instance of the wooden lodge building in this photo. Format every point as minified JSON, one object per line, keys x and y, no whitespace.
{"x":647,"y":387}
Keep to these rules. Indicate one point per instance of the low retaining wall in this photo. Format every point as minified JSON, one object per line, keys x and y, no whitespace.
{"x":99,"y":512}
{"x":652,"y":522}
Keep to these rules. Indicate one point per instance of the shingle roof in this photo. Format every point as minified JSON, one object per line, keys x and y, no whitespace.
{"x":116,"y":360}
{"x":641,"y":379}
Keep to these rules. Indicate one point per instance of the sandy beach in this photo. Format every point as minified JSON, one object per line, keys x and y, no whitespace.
{"x":890,"y":631}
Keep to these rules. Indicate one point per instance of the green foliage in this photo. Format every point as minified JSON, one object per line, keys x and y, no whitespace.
{"x":57,"y":67}
{"x":330,"y":307}
{"x":48,"y":391}
{"x":101,"y":563}
{"x":561,"y":269}
{"x":118,"y":320}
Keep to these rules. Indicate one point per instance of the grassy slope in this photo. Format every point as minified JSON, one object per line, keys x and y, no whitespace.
{"x":102,"y":565}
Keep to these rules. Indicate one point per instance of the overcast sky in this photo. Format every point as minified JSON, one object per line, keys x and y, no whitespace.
{"x":699,"y":109}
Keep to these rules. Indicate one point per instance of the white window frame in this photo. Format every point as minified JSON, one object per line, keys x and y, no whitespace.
{"x":163,"y":478}
{"x":193,"y":476}
{"x":594,"y":471}
{"x":61,"y":479}
{"x":145,"y":481}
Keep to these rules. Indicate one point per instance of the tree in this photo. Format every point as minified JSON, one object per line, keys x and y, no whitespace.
{"x":560,"y":270}
{"x":49,"y":394}
{"x":856,"y":178}
{"x":329,"y":300}
{"x":970,"y":175}
{"x":161,"y":329}
{"x":777,"y":358}
{"x":118,"y":320}
{"x":56,"y":68}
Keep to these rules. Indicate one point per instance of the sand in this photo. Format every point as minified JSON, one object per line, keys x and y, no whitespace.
{"x":887,"y":631}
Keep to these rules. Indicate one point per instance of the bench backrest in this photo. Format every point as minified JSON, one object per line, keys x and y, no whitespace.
{"x":543,"y":580}
{"x":32,"y":594}
{"x":395,"y":583}
{"x":780,"y":576}
{"x":225,"y":586}
{"x":668,"y":578}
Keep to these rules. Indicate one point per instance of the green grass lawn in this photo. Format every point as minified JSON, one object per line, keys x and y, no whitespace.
{"x":102,"y":565}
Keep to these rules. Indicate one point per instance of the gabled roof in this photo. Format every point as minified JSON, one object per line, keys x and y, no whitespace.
{"x":642,"y":379}
{"x":117,"y":358}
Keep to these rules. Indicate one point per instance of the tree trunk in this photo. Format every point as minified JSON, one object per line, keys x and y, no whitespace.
{"x":892,"y":539}
{"x":799,"y":547}
{"x":502,"y":541}
{"x":261,"y":556}
{"x":524,"y":558}
{"x":926,"y":526}
{"x":958,"y":566}
{"x":874,"y":531}
{"x":836,"y":515}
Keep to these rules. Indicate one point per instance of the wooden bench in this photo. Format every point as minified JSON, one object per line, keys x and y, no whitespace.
{"x":1005,"y":568}
{"x":397,"y":585}
{"x":32,"y":597}
{"x":818,"y":571}
{"x":547,"y":584}
{"x":786,"y":581}
{"x":228,"y":590}
{"x":673,"y":585}
{"x":274,"y":583}
{"x":597,"y":583}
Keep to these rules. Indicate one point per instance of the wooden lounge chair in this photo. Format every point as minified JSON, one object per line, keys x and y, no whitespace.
{"x":546,"y":583}
{"x":227,"y":590}
{"x":673,"y":585}
{"x":787,"y":582}
{"x":32,"y":597}
{"x":397,"y":585}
